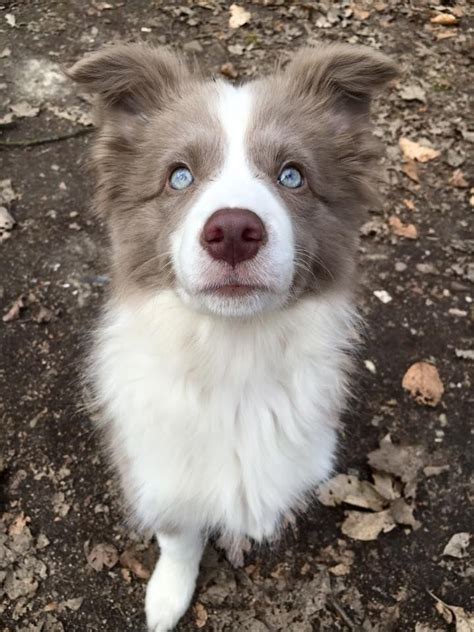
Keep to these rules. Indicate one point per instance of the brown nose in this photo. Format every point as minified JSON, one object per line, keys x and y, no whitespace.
{"x":233,"y":235}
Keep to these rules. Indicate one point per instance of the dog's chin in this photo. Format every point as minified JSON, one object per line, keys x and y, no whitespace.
{"x":233,"y":301}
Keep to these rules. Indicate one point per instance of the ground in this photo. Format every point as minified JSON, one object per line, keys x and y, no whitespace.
{"x":67,"y":560}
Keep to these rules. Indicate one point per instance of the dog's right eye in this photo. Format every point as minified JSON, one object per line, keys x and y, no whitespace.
{"x":181,"y":178}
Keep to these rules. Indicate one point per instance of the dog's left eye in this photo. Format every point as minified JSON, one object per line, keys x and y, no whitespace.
{"x":181,"y":178}
{"x":290,"y":177}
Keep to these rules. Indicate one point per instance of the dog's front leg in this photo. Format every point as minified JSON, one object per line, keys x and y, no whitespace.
{"x":171,"y":587}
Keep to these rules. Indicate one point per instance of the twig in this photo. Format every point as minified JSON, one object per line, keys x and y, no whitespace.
{"x":343,"y":614}
{"x":29,"y":142}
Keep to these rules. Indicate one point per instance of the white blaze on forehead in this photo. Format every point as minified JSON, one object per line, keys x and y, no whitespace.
{"x":235,"y":185}
{"x":234,"y":111}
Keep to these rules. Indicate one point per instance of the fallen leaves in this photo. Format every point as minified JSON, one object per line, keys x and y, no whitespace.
{"x":201,"y":616}
{"x":39,"y":313}
{"x":410,"y":169}
{"x":464,"y":354}
{"x":15,"y":310}
{"x":384,"y":497}
{"x":7,"y":222}
{"x":454,"y":614}
{"x":238,"y":16}
{"x":360,"y":13}
{"x":352,"y":491}
{"x":339,"y":559}
{"x":367,"y":526}
{"x":18,"y":524}
{"x":11,"y":19}
{"x":228,"y":70}
{"x":445,"y":19}
{"x":7,"y":194}
{"x":458,"y":180}
{"x":413,"y":93}
{"x":400,"y":229}
{"x":24,"y":110}
{"x":130,"y":561}
{"x":404,"y":462}
{"x":423,"y":382}
{"x":415,"y":151}
{"x":73,"y":113}
{"x":101,"y":556}
{"x":21,"y":570}
{"x":458,"y":545}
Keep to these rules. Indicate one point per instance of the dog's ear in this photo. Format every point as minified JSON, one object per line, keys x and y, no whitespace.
{"x":131,"y":79}
{"x":341,"y":76}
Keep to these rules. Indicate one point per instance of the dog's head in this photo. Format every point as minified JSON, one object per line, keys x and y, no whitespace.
{"x":240,"y":198}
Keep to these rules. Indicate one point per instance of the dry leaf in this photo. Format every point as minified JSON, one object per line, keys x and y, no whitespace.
{"x":359,"y":13}
{"x":464,"y":354}
{"x":72,"y":604}
{"x":43,"y":315}
{"x":409,"y":204}
{"x":402,"y":461}
{"x":101,"y":555}
{"x":15,"y":310}
{"x":423,"y":382}
{"x":129,"y":561}
{"x":458,"y":545}
{"x":446,"y":19}
{"x":414,"y":151}
{"x":18,"y":524}
{"x":458,"y":180}
{"x":201,"y":615}
{"x":238,"y":16}
{"x":228,"y":70}
{"x":435,"y":470}
{"x":367,"y":526}
{"x":413,"y":93}
{"x":402,"y":230}
{"x":102,"y":6}
{"x":464,"y":620}
{"x":411,"y":170}
{"x":7,"y":222}
{"x":340,"y":570}
{"x":7,"y":119}
{"x":445,"y":34}
{"x":7,"y":194}
{"x":73,"y":113}
{"x":383,"y":483}
{"x":24,"y":110}
{"x":402,"y":513}
{"x":349,"y":489}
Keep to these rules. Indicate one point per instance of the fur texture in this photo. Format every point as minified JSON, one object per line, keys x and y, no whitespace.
{"x":221,"y":386}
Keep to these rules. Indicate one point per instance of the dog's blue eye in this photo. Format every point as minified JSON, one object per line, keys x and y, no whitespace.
{"x":290,"y":177}
{"x":181,"y":178}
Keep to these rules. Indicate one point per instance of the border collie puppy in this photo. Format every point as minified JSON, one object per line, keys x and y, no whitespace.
{"x":221,"y":362}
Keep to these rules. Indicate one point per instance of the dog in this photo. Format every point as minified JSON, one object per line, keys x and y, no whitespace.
{"x":222,"y":362}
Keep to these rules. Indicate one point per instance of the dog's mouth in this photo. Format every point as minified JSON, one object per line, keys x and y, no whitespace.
{"x":233,"y":290}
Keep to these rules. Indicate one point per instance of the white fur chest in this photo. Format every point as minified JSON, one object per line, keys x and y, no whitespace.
{"x":219,"y":423}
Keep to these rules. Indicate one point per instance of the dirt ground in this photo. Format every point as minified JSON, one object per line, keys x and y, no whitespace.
{"x":67,"y":560}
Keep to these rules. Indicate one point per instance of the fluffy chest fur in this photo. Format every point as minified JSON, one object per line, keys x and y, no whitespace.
{"x":218,"y":422}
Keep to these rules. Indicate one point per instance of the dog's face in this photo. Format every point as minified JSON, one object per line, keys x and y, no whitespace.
{"x":240,"y":198}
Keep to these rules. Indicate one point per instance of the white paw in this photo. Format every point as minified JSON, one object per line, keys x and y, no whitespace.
{"x":169,"y":593}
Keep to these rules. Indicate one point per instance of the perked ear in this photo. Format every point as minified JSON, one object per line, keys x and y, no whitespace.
{"x":131,"y":78}
{"x":341,"y":75}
